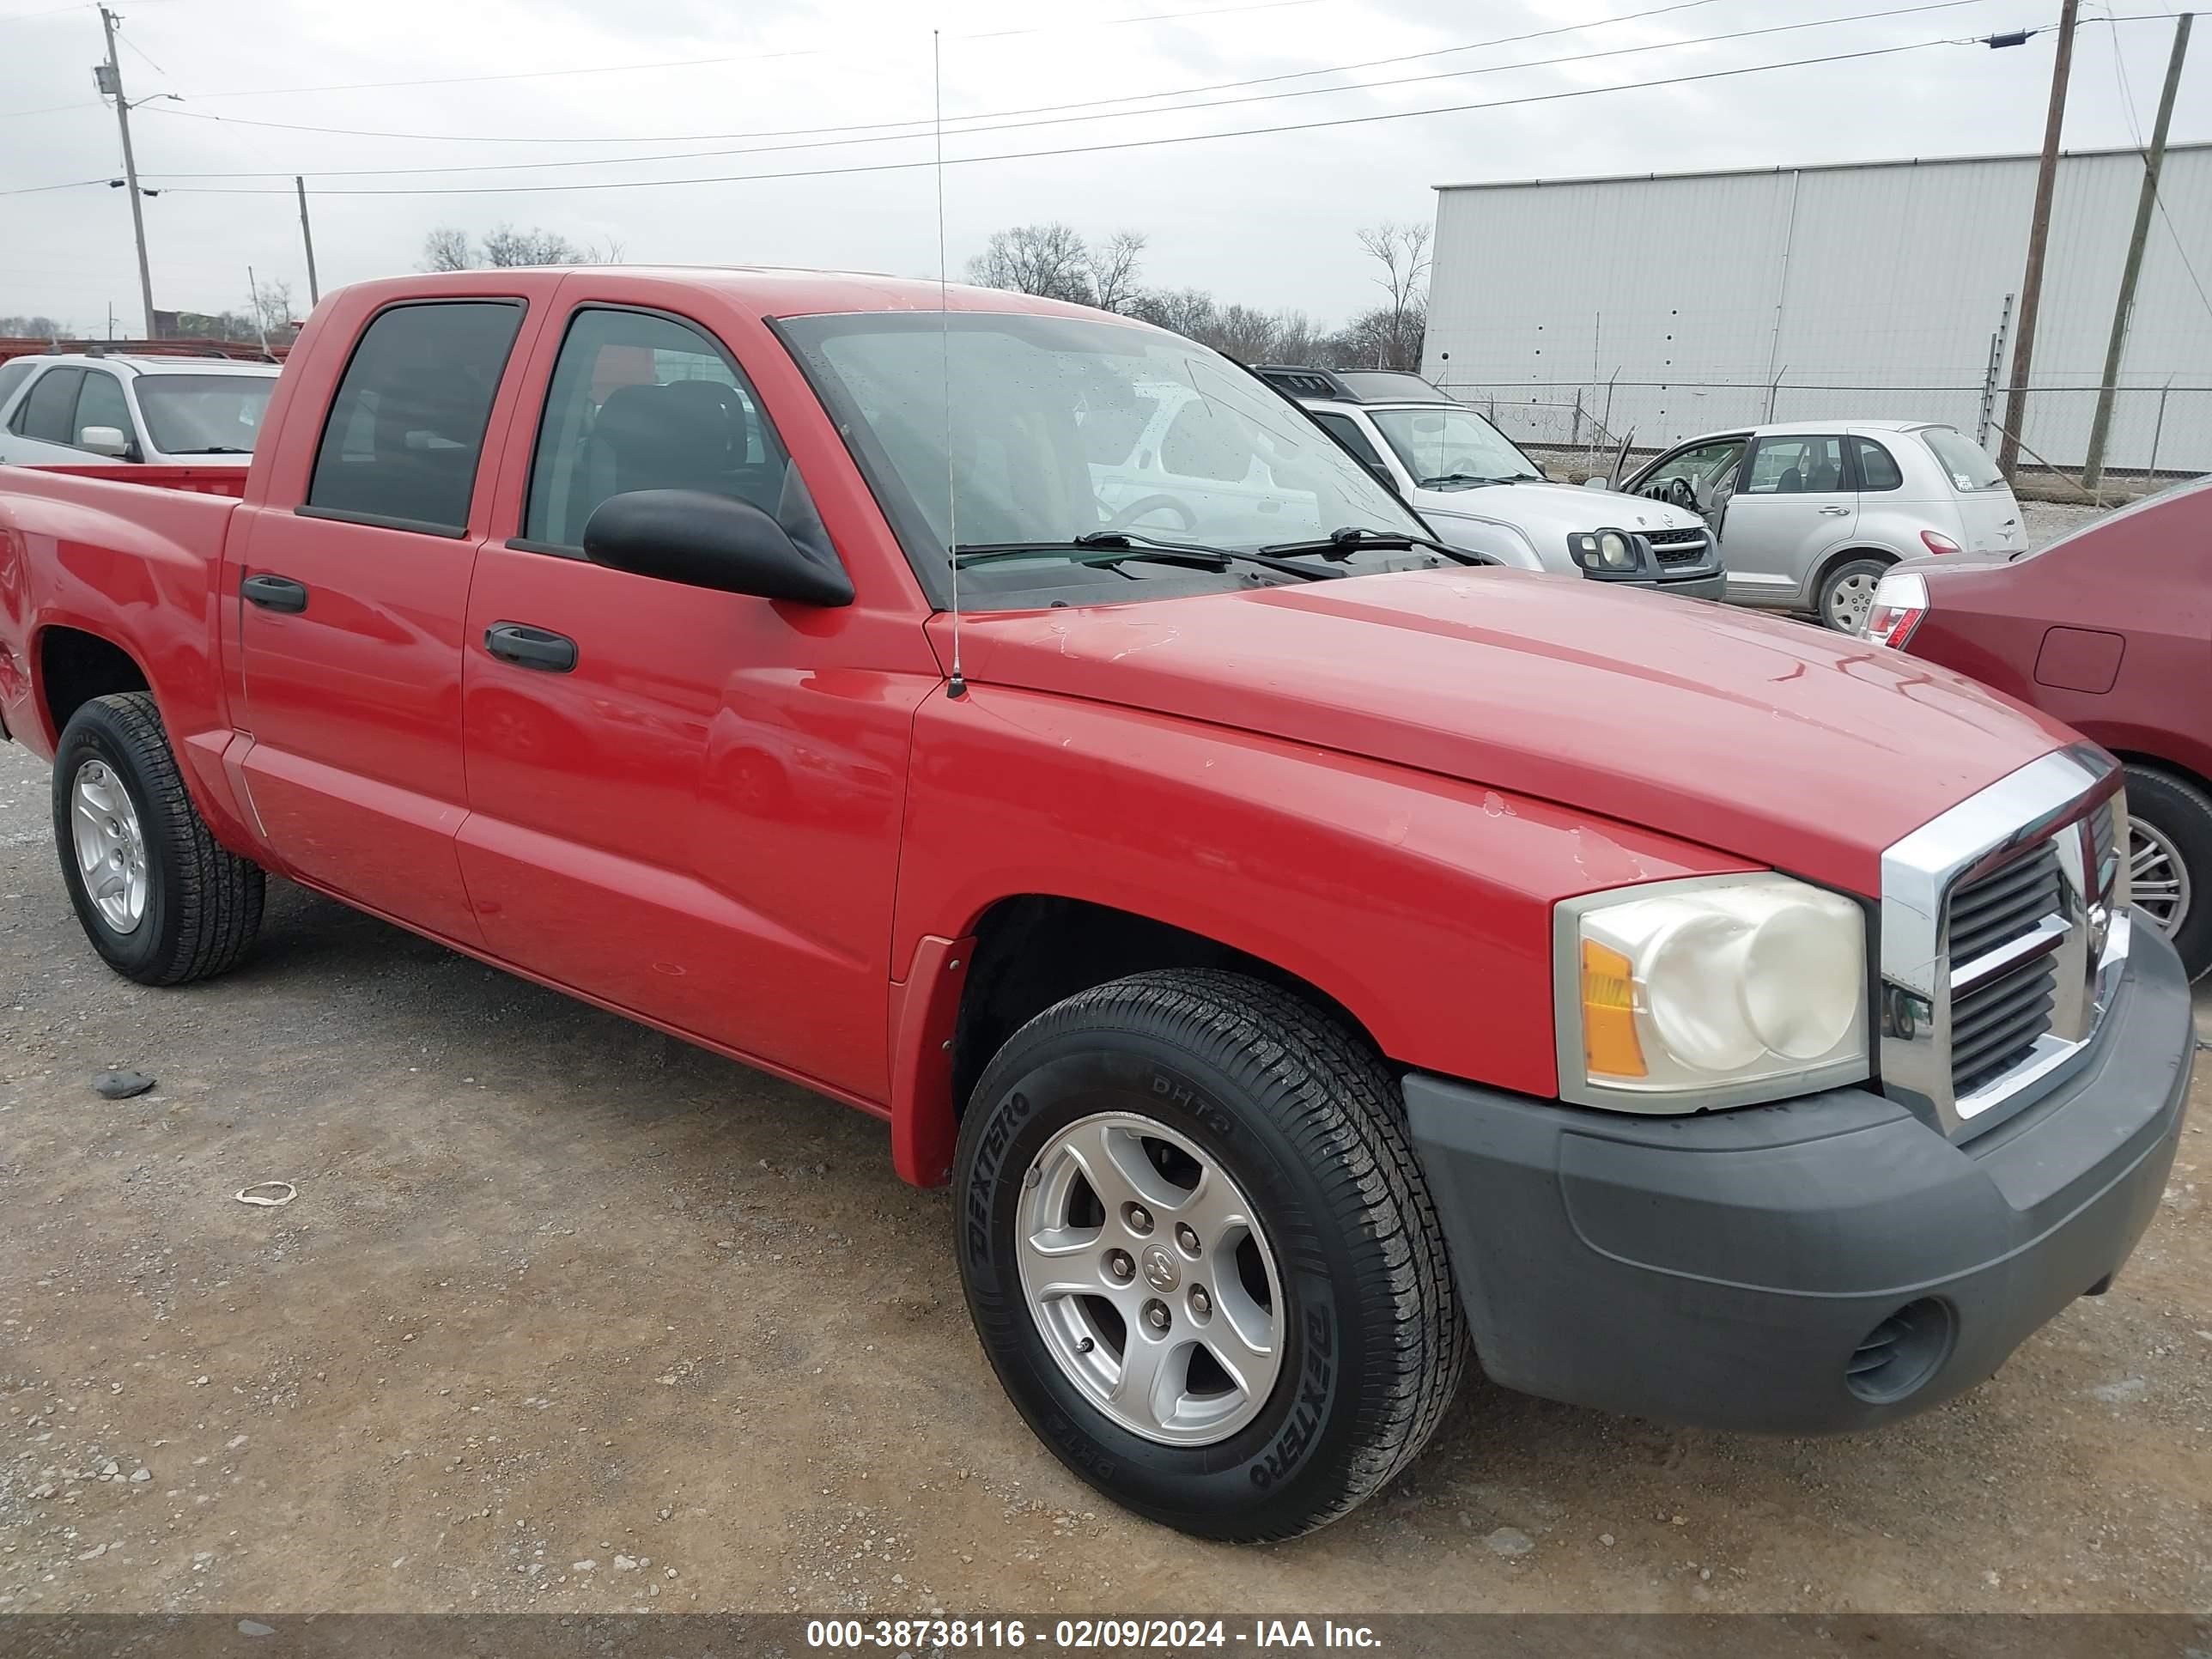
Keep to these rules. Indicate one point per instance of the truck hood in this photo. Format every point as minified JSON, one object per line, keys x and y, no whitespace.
{"x":1774,"y":741}
{"x":1554,"y":511}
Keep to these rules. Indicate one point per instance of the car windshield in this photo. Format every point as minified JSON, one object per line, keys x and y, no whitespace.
{"x":1963,"y":460}
{"x":1055,"y":427}
{"x":204,"y":414}
{"x":1446,"y":445}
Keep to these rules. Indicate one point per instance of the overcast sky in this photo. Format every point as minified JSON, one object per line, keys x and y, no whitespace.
{"x":1267,"y":219}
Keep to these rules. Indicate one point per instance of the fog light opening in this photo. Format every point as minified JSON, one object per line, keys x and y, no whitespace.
{"x":1898,"y":1357}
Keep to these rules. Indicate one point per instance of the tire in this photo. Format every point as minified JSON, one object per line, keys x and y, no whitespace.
{"x":1301,"y":1123}
{"x":2171,"y":821}
{"x":1846,"y":593}
{"x":199,"y":904}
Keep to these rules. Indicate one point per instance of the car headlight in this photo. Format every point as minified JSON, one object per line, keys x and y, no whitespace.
{"x":1610,"y":551}
{"x":1682,"y":996}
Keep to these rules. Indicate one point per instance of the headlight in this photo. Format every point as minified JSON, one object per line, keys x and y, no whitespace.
{"x":1608,"y":550}
{"x":1719,"y":991}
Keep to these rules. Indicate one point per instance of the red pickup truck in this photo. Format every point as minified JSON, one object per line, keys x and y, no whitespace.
{"x":1311,"y":958}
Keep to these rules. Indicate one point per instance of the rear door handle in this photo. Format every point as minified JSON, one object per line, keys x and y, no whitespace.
{"x":531,"y":647}
{"x":275,"y":592}
{"x":1835,"y":512}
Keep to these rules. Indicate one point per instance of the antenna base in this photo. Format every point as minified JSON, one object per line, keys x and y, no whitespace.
{"x":956,"y":687}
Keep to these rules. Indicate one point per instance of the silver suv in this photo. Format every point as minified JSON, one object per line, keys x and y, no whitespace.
{"x":1481,"y":495}
{"x":64,"y":409}
{"x":1810,"y":513}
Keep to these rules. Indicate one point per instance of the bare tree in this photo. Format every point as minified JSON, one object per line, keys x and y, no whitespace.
{"x":506,"y":248}
{"x":272,"y":310}
{"x":1051,"y":260}
{"x":1188,"y":311}
{"x":447,"y":248}
{"x":32,"y":328}
{"x":1402,"y":251}
{"x":1113,"y":267}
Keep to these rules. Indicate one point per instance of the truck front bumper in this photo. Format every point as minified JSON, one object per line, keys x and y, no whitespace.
{"x":1816,"y":1265}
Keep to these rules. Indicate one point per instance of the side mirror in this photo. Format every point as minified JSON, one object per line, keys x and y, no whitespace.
{"x":1597,"y":483}
{"x":104,"y":440}
{"x":704,"y":540}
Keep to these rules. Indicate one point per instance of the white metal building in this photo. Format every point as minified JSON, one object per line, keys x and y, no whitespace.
{"x":1677,"y":304}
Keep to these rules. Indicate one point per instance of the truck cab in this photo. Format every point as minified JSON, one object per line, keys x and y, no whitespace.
{"x":1481,"y":493}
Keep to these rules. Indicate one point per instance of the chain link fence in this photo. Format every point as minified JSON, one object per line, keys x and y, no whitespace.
{"x":2158,"y":434}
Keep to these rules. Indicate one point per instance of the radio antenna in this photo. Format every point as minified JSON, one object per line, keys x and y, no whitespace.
{"x":957,"y":685}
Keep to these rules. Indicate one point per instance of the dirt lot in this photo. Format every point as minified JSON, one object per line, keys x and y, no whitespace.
{"x":568,"y":1316}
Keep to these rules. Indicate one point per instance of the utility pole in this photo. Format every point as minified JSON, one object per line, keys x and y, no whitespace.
{"x":109,"y":77}
{"x":308,"y":236}
{"x":260,"y":326}
{"x":2101,"y":426}
{"x":2038,"y":233}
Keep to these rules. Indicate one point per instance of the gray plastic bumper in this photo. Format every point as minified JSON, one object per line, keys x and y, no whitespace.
{"x":1713,"y":585}
{"x":1726,"y":1270}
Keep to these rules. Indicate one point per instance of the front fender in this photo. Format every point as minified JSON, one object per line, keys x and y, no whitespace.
{"x":1420,"y":903}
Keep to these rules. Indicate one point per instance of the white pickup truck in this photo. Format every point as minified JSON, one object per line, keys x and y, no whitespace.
{"x":1480,"y":494}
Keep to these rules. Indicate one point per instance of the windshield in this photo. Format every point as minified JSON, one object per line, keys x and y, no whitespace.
{"x":204,"y":414}
{"x":1962,"y":460}
{"x":1062,"y":427}
{"x":1446,"y":445}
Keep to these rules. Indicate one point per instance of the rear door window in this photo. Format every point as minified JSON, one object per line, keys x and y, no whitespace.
{"x":1878,"y":468}
{"x":1797,"y":465}
{"x":404,"y":435}
{"x":49,"y":407}
{"x":11,"y":376}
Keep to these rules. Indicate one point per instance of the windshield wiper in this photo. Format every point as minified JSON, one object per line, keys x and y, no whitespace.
{"x":212,"y":449}
{"x":1111,"y":547}
{"x":1469,"y":479}
{"x":1357,"y":539}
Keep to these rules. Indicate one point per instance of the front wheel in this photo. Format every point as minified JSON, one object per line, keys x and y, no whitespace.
{"x":1847,"y":593}
{"x":1201,"y":1255}
{"x":2169,"y":861}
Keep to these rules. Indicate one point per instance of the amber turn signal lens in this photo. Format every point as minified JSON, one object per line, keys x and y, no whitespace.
{"x":1609,"y":1040}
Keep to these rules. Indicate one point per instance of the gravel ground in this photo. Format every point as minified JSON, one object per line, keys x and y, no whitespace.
{"x":2046,"y":521}
{"x":568,"y":1316}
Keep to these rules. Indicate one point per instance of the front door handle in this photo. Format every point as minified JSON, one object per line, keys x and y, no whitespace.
{"x":531,"y":647}
{"x":1835,"y":512}
{"x":275,"y":592}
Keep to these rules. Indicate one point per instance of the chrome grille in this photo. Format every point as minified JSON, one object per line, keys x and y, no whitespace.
{"x":1995,"y":1026}
{"x":1999,"y":907}
{"x":2003,"y":931}
{"x":1677,"y":546}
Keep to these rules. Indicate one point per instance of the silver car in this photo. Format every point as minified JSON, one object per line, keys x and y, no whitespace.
{"x":1810,"y":513}
{"x":63,"y":410}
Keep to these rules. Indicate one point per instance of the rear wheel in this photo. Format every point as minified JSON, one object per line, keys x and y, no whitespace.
{"x":2170,"y":860}
{"x":1201,"y":1255}
{"x":1847,"y":593}
{"x":159,"y":899}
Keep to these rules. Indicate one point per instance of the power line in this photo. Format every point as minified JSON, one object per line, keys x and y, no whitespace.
{"x":1081,"y":150}
{"x":1107,"y":115}
{"x":747,"y":57}
{"x":926,"y":122}
{"x":48,"y":109}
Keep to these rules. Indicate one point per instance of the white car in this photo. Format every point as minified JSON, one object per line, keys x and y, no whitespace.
{"x":64,"y":411}
{"x":1481,"y":495}
{"x":1810,"y":513}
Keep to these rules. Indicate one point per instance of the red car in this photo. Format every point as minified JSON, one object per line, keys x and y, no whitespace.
{"x":1313,"y":959}
{"x":2110,"y":631}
